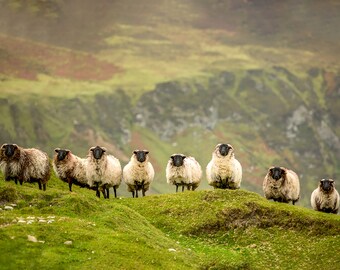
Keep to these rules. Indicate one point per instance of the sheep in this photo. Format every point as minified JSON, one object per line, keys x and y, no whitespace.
{"x":70,"y":168}
{"x":24,"y":165}
{"x":281,"y":185}
{"x":325,"y":198}
{"x":183,"y":171}
{"x":138,"y":173}
{"x":224,"y":170}
{"x":103,"y":171}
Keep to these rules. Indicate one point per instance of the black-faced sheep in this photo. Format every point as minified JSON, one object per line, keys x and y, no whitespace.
{"x":138,"y":173}
{"x":103,"y":171}
{"x":224,"y":170}
{"x":24,"y":165}
{"x":325,"y":198}
{"x":70,"y":168}
{"x":183,"y":171}
{"x":281,"y":185}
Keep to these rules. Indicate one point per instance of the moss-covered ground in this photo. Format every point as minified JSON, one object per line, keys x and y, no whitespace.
{"x":207,"y":229}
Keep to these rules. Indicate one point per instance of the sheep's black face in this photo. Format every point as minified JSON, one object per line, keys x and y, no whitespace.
{"x":327,"y":184}
{"x":9,"y":149}
{"x":141,"y":155}
{"x":61,"y":154}
{"x":177,"y":160}
{"x":276,"y":173}
{"x":97,"y":152}
{"x":224,"y":149}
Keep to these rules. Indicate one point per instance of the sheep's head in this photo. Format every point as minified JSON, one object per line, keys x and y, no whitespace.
{"x":9,"y":149}
{"x":98,"y":152}
{"x":277,"y":173}
{"x":327,"y":184}
{"x":223,"y":149}
{"x":177,"y":159}
{"x":61,"y":153}
{"x":141,"y":155}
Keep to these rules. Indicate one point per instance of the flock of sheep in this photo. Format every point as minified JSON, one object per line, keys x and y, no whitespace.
{"x":100,"y":171}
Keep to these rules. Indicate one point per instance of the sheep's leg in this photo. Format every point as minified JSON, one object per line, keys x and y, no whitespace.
{"x":136,"y":192}
{"x":176,"y":187}
{"x":133,"y":194}
{"x":107,"y":193}
{"x":182,"y":188}
{"x":143,"y":190}
{"x":44,"y":187}
{"x":115,"y":191}
{"x":15,"y":180}
{"x":104,"y":192}
{"x":39,"y":183}
{"x":69,"y":181}
{"x":97,"y":190}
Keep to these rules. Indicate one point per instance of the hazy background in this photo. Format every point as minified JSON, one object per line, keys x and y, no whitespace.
{"x":176,"y":76}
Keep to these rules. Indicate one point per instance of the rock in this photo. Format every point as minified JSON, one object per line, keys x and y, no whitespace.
{"x":172,"y":250}
{"x":42,"y":221}
{"x":68,"y":242}
{"x":31,"y":238}
{"x":7,"y":207}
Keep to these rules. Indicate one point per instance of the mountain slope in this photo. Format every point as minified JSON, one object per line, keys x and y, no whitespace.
{"x":174,"y":76}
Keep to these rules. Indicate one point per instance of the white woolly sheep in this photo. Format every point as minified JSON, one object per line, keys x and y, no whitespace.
{"x":224,"y":170}
{"x":103,"y":171}
{"x":138,"y":173}
{"x":70,"y":168}
{"x":183,"y":171}
{"x":281,"y":185}
{"x":24,"y":165}
{"x":325,"y":198}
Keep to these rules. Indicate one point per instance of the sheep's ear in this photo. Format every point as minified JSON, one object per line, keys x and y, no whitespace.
{"x":92,"y":148}
{"x":57,"y":150}
{"x":67,"y":151}
{"x":104,"y":149}
{"x":146,"y":152}
{"x":134,"y":152}
{"x":331,"y":180}
{"x":15,"y":146}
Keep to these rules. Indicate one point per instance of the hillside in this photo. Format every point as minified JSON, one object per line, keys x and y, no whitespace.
{"x":176,"y":76}
{"x":191,"y":230}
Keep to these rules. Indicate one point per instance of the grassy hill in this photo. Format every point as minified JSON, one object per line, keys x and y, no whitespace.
{"x":208,"y":229}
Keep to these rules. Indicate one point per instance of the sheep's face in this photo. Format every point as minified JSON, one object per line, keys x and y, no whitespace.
{"x":177,"y":160}
{"x":141,"y":155}
{"x":224,"y":149}
{"x":327,"y":184}
{"x":61,"y":153}
{"x":9,"y":149}
{"x":276,"y":173}
{"x":98,"y":152}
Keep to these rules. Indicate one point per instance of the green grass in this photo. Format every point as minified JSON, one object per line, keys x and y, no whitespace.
{"x":207,"y":229}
